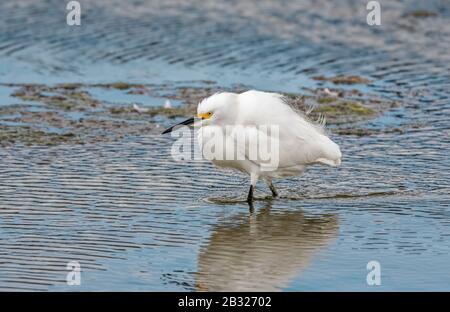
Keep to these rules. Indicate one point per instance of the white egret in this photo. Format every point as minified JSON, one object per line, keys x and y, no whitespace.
{"x":300,"y":142}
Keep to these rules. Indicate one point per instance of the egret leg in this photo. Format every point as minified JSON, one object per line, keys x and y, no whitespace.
{"x":272,"y":188}
{"x":253,"y":180}
{"x":250,"y":195}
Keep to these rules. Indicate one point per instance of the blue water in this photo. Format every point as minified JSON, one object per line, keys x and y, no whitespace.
{"x":137,"y":220}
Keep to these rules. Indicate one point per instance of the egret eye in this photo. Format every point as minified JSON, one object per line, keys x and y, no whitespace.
{"x":205,"y":115}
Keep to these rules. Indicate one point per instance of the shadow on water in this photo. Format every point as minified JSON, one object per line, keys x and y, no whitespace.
{"x":262,"y":251}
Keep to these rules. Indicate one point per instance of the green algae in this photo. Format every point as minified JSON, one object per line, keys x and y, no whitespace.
{"x":421,"y":14}
{"x":121,"y":85}
{"x":341,"y":79}
{"x":345,"y":108}
{"x":326,"y":100}
{"x":28,"y":136}
{"x":77,"y":117}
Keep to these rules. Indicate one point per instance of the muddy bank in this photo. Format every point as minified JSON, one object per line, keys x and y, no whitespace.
{"x":87,"y":113}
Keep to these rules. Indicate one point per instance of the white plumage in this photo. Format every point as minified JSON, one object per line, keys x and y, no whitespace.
{"x":300,"y":142}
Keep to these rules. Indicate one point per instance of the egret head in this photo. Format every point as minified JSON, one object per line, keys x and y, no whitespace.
{"x":219,"y":109}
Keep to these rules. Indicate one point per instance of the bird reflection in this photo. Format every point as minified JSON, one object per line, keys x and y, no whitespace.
{"x":262,"y":251}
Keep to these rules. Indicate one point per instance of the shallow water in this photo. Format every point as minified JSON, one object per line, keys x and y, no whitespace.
{"x":137,"y":220}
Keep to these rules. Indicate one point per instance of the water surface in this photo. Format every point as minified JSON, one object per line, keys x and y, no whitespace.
{"x":137,"y":220}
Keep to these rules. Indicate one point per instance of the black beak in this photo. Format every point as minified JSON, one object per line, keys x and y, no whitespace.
{"x":183,"y":123}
